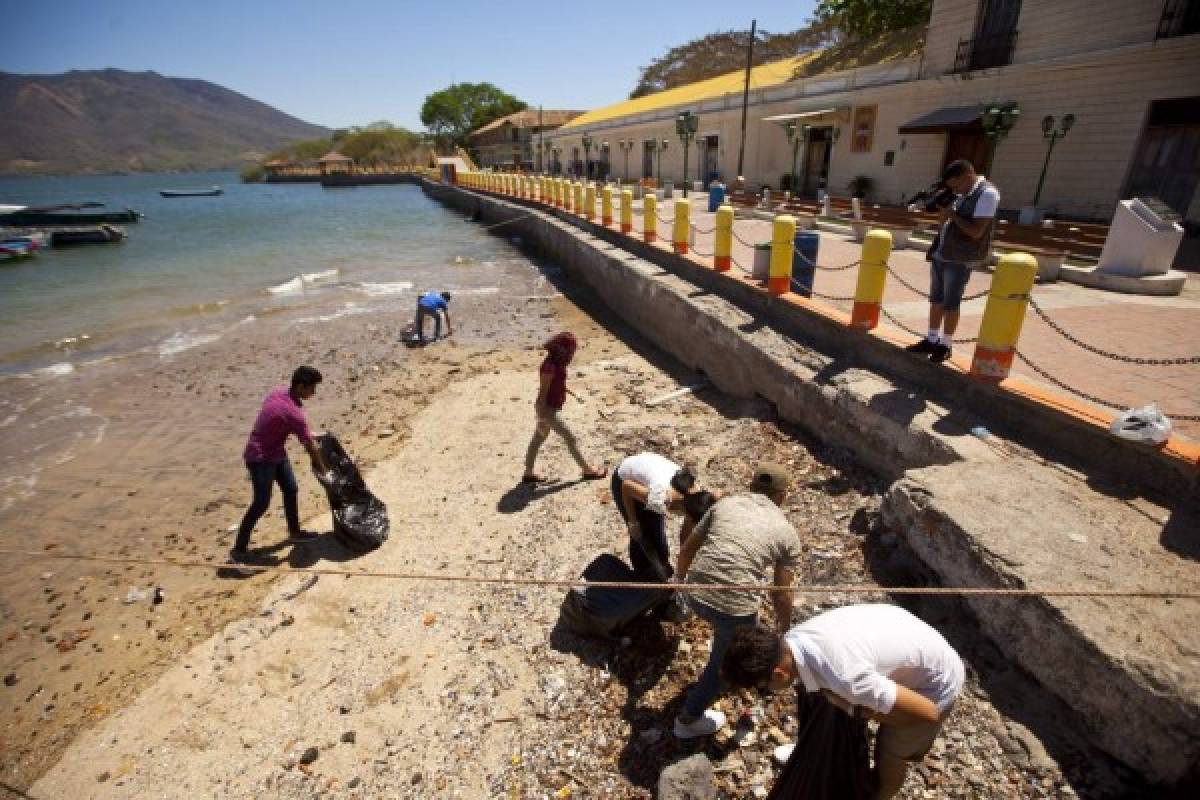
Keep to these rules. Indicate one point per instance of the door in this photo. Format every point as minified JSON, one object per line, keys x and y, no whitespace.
{"x":816,"y":161}
{"x":710,"y":170}
{"x":968,"y":143}
{"x":1167,"y":162}
{"x":647,"y":159}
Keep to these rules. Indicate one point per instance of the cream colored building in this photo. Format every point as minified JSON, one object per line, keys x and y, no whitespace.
{"x":1128,"y":70}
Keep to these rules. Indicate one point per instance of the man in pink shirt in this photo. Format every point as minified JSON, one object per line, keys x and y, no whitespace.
{"x":266,"y":458}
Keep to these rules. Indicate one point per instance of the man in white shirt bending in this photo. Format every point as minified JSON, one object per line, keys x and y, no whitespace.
{"x":874,"y":660}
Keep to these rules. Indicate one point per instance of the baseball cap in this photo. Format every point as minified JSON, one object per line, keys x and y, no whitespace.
{"x":771,"y":477}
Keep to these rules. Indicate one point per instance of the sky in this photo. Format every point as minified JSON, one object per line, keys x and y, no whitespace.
{"x":356,"y":61}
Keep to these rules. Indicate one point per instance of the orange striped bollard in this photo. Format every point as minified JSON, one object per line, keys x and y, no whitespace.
{"x":723,"y":246}
{"x":783,"y":238}
{"x":872,"y":278}
{"x":650,"y":217}
{"x":589,"y":201}
{"x":606,"y":195}
{"x":679,"y":238}
{"x":1003,"y":317}
{"x":626,"y":211}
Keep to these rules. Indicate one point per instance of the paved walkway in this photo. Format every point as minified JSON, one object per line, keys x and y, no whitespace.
{"x":1130,"y":325}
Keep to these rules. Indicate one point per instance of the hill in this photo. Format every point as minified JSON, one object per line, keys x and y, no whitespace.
{"x":112,"y":120}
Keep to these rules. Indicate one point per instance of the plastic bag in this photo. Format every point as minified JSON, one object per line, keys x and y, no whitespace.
{"x":1146,"y":424}
{"x":830,"y":760}
{"x":360,"y":520}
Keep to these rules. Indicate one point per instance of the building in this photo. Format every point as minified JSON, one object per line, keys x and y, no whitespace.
{"x":514,"y":141}
{"x":1128,"y":73}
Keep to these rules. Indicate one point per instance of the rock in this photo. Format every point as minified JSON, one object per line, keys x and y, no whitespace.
{"x":349,"y":737}
{"x":353,"y":782}
{"x":689,"y":779}
{"x":10,"y":679}
{"x":103,"y":776}
{"x":309,"y":755}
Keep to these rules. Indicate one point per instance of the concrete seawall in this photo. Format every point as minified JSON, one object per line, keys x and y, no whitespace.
{"x":999,"y":512}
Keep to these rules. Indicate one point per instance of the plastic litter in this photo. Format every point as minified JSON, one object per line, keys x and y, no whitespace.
{"x":1145,"y":424}
{"x":360,"y":519}
{"x":829,"y":761}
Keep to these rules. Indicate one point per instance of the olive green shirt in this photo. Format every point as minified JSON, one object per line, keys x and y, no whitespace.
{"x":745,"y":536}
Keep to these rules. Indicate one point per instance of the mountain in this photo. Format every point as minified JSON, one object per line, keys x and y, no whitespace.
{"x":111,"y":120}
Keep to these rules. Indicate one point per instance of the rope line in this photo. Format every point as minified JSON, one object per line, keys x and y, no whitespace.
{"x":1075,"y":340}
{"x":815,"y":589}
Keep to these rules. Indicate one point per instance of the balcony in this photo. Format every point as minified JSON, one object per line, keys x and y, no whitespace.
{"x":985,"y":52}
{"x":1179,"y":18}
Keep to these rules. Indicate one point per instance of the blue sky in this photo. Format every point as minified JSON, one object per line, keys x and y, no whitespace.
{"x":353,"y":62}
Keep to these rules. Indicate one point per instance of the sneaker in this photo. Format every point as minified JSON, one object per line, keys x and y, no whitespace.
{"x":939,"y":353}
{"x":707,"y":725}
{"x":783,"y":753}
{"x":923,"y":346}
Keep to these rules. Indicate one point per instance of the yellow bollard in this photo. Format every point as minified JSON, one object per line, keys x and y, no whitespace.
{"x":723,"y":248}
{"x":578,"y":198}
{"x":650,"y":217}
{"x":626,"y":211}
{"x":606,"y":207}
{"x":683,"y":211}
{"x":872,"y":277}
{"x":589,"y":201}
{"x":540,"y":189}
{"x":1003,"y":317}
{"x":783,"y":239}
{"x":559,"y":199}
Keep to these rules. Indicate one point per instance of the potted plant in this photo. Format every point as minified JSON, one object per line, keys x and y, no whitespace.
{"x":860,"y":186}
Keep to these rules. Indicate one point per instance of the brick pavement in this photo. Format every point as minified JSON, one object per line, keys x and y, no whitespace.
{"x":1155,"y":327}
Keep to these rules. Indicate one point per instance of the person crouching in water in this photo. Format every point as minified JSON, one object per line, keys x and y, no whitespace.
{"x":266,"y":458}
{"x":874,"y":661}
{"x":647,"y":487}
{"x":552,"y":395}
{"x":434,"y":305}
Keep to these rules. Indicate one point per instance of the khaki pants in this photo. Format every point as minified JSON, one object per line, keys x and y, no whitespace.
{"x":551,"y":421}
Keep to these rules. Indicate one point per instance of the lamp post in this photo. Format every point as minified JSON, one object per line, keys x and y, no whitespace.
{"x":686,"y":125}
{"x":587,"y":156}
{"x":997,"y":121}
{"x":1051,"y":135}
{"x":626,"y":145}
{"x":795,"y":134}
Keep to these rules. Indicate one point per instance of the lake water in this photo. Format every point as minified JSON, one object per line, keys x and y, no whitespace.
{"x":194,"y":266}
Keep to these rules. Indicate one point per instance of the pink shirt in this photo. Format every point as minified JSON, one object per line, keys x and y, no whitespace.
{"x":280,"y":415}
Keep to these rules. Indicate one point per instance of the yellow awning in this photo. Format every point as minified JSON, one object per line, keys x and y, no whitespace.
{"x":773,"y":74}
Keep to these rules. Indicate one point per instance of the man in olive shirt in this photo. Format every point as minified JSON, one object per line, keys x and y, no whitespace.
{"x":735,"y":543}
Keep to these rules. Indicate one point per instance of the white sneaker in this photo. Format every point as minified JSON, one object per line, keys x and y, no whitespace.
{"x":707,"y":725}
{"x":783,"y":753}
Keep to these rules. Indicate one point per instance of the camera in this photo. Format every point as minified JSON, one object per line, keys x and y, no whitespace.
{"x":938,"y":197}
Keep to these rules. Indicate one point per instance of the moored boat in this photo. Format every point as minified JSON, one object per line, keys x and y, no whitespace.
{"x":12,"y":250}
{"x":213,"y":192}
{"x":66,"y":215}
{"x":101,"y":234}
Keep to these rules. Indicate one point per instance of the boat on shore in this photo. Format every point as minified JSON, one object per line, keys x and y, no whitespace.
{"x":13,"y":249}
{"x":101,"y":234}
{"x":67,"y":214}
{"x":213,"y":192}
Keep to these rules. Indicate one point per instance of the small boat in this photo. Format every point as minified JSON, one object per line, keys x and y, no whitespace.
{"x":66,"y":214}
{"x":213,"y":192}
{"x":13,"y":250}
{"x":101,"y":234}
{"x":36,"y":240}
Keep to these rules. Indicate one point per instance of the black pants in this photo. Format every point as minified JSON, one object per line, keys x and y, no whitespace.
{"x":654,"y":538}
{"x":262,"y":476}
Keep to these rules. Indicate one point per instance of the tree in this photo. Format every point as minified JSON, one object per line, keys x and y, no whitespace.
{"x":453,"y":112}
{"x":719,"y":53}
{"x":863,"y":19}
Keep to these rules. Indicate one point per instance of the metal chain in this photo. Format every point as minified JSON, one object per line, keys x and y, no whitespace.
{"x":700,"y":252}
{"x":743,"y":241}
{"x":1147,"y":362}
{"x":1093,"y":398}
{"x":906,"y":329}
{"x":915,"y":290}
{"x":705,"y":231}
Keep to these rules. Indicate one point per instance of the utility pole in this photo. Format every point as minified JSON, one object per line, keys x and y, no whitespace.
{"x":541,"y":140}
{"x":746,"y":96}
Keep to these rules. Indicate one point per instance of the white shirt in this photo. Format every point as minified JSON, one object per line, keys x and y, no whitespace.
{"x":862,"y":652}
{"x":652,"y":471}
{"x":985,"y":207}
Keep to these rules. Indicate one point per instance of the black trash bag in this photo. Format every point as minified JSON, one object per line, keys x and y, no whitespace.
{"x":360,"y":520}
{"x":601,"y":612}
{"x":830,"y":761}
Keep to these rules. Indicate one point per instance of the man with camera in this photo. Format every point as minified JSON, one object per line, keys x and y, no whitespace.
{"x":967,"y":205}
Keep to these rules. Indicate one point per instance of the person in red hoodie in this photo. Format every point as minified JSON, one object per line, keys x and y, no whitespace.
{"x":552,"y":394}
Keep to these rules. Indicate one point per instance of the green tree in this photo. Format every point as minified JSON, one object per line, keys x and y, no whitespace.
{"x":453,"y":112}
{"x":723,"y":52}
{"x":863,"y":19}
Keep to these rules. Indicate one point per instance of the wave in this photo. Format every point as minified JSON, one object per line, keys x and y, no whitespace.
{"x":304,"y":280}
{"x":383,"y":289}
{"x":296,"y":284}
{"x":55,"y":370}
{"x":350,"y":309}
{"x":319,"y":277}
{"x":178,"y":342}
{"x":481,"y":290}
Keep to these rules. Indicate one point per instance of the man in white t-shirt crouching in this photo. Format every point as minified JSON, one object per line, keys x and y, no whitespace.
{"x":875,"y":661}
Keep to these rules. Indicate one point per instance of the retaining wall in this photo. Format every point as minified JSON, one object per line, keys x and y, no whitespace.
{"x":901,"y":416}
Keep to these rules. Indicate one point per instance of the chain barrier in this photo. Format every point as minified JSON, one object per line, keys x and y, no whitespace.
{"x":915,"y":290}
{"x":741,"y":240}
{"x":1100,"y":401}
{"x":705,"y":231}
{"x":700,"y":252}
{"x":1146,"y":362}
{"x":893,"y":319}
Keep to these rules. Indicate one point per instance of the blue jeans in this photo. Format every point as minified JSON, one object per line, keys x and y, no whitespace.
{"x":709,"y":685}
{"x":654,"y":536}
{"x":947,"y":282}
{"x":262,"y":475}
{"x":422,"y":313}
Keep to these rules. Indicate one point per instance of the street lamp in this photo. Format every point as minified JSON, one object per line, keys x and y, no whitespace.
{"x":626,"y":145}
{"x":997,"y":121}
{"x":795,"y":134}
{"x":587,"y":157}
{"x":1052,"y":135}
{"x":686,"y":125}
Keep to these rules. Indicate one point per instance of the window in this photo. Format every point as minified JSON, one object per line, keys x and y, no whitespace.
{"x":863,"y":130}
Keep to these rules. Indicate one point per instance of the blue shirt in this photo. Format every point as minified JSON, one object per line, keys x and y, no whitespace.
{"x":433,"y":302}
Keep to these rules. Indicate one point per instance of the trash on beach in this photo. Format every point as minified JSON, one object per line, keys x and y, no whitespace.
{"x":360,"y":519}
{"x":669,"y":396}
{"x":1146,"y":424}
{"x":135,"y":595}
{"x":463,"y":260}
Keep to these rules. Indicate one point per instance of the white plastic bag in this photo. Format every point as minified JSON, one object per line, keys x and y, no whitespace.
{"x":1145,"y":424}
